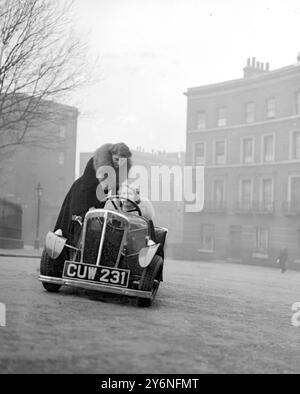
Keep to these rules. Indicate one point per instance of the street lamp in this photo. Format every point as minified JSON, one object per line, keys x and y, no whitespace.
{"x":39,"y":191}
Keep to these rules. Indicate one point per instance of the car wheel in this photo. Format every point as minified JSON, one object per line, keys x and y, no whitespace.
{"x":50,"y":267}
{"x":150,"y":280}
{"x":51,"y":287}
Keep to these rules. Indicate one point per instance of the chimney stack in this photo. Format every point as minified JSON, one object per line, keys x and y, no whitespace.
{"x":254,"y":68}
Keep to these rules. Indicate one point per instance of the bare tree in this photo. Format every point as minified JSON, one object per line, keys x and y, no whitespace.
{"x":40,"y":60}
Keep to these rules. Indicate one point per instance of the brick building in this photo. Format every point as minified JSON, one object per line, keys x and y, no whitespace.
{"x":21,"y":173}
{"x":247,"y":134}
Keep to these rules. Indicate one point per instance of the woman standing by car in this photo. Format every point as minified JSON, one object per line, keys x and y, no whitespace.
{"x":85,"y":192}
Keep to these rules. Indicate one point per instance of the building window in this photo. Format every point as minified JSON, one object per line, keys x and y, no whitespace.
{"x":222,"y":117}
{"x":292,"y":205}
{"x":201,"y":120}
{"x":62,"y":132}
{"x":298,"y":103}
{"x":268,"y":148}
{"x":248,"y":150}
{"x":219,"y":191}
{"x":220,"y":152}
{"x":199,"y":154}
{"x":61,"y":159}
{"x":295,"y":191}
{"x":246,"y":194}
{"x":262,"y":240}
{"x":207,"y":237}
{"x":296,"y":146}
{"x":235,"y":235}
{"x":271,"y":107}
{"x":267,"y":194}
{"x":250,"y":112}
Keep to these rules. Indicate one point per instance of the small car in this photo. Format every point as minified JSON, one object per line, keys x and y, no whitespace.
{"x":117,"y":252}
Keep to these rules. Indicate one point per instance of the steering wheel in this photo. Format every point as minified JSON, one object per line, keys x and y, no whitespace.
{"x":135,"y":208}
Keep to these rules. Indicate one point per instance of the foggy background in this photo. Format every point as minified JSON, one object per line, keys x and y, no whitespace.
{"x":150,"y":52}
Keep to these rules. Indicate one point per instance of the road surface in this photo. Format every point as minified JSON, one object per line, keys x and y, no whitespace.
{"x":208,"y":318}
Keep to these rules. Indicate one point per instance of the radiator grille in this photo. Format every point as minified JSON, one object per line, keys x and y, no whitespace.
{"x":92,"y":239}
{"x":114,"y":232}
{"x":113,"y":240}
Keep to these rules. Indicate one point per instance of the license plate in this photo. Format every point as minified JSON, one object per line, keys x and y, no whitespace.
{"x":91,"y":273}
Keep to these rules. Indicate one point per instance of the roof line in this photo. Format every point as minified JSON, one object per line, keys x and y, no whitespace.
{"x":244,"y":81}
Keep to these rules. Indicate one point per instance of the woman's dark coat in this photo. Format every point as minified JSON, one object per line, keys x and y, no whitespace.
{"x":80,"y":198}
{"x":82,"y":195}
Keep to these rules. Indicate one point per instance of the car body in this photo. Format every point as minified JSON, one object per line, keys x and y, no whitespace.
{"x":115,"y":253}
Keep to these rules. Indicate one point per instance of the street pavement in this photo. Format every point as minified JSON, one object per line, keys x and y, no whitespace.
{"x":25,"y":253}
{"x":208,"y":318}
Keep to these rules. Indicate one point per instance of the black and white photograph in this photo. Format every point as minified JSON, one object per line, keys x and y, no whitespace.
{"x":149,"y":190}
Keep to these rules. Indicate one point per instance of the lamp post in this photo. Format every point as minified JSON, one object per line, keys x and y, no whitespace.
{"x":39,"y":191}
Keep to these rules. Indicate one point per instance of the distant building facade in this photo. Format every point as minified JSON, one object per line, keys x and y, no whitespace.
{"x":246,"y":133}
{"x":53,"y":169}
{"x":168,"y":214}
{"x":10,"y":225}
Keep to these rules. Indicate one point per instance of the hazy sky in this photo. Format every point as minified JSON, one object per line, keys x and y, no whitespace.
{"x":151,"y":51}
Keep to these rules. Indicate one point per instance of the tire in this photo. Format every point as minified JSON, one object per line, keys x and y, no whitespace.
{"x":150,"y":280}
{"x":50,"y":267}
{"x":51,"y":287}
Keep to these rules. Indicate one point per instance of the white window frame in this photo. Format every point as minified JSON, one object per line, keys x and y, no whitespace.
{"x":242,"y":156}
{"x":246,"y":112}
{"x":214,"y":152}
{"x":205,"y":120}
{"x":61,"y":158}
{"x":240,"y":189}
{"x":263,"y":147}
{"x":202,"y":249}
{"x":297,"y":97}
{"x":258,"y":231}
{"x":219,"y":179}
{"x":292,"y":144}
{"x":267,"y":107}
{"x":62,"y":131}
{"x":194,"y":153}
{"x":266,"y":178}
{"x":296,"y":175}
{"x":219,"y":119}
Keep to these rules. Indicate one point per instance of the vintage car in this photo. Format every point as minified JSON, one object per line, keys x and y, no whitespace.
{"x":117,"y":252}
